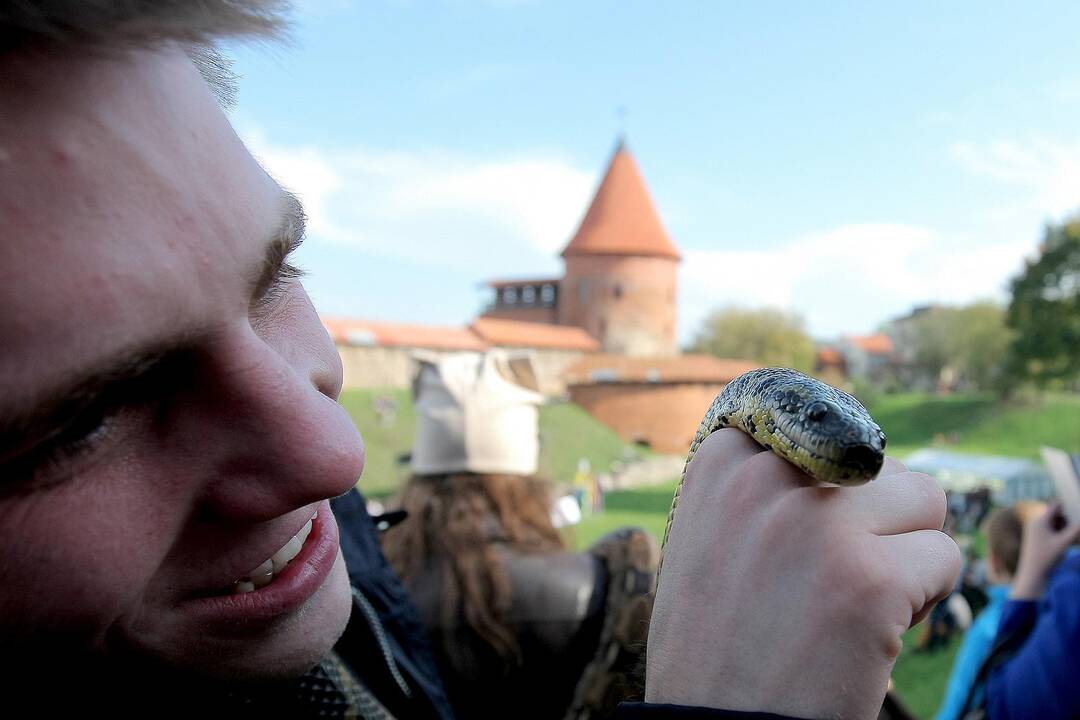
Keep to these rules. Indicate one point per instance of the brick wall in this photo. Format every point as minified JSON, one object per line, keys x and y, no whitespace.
{"x":664,"y":415}
{"x":628,"y":303}
{"x":534,"y":314}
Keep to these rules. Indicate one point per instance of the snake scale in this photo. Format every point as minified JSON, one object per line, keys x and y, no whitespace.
{"x":825,"y":432}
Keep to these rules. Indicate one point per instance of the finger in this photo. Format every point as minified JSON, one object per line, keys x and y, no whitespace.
{"x":892,"y":466}
{"x":897,"y":503}
{"x":927,"y":564}
{"x":719,"y":453}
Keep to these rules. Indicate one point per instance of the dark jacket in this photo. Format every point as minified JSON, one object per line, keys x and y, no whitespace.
{"x":556,"y":616}
{"x":385,"y":643}
{"x":1042,"y":679}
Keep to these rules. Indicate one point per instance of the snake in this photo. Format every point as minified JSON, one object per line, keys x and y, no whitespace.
{"x":825,"y":432}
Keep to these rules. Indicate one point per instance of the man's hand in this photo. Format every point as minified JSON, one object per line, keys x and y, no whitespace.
{"x":1046,"y":538}
{"x":781,"y":596}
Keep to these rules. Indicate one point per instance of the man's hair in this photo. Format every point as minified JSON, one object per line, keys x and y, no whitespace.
{"x":1004,"y":530}
{"x":135,"y":22}
{"x":123,"y":24}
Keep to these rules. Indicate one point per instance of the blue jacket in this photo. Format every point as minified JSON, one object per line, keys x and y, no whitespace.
{"x":978,"y":642}
{"x":1042,"y":680}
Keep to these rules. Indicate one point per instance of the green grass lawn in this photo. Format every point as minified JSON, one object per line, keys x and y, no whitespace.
{"x":920,"y":678}
{"x":976,"y":423}
{"x":979,"y":423}
{"x":567,"y":433}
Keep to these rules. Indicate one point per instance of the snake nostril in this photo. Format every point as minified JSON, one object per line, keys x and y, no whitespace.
{"x":817,"y":411}
{"x":866,"y":457}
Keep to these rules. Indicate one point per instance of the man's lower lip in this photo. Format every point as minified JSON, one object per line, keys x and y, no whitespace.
{"x":300,"y":579}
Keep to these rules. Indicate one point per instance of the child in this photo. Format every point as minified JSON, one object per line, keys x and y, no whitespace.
{"x":1003,"y":530}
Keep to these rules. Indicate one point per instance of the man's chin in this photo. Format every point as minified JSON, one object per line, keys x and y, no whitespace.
{"x":287,"y":650}
{"x":298,"y":645}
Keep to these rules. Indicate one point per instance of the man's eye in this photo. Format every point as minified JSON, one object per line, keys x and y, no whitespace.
{"x":275,"y":290}
{"x":111,"y":419}
{"x":55,"y":459}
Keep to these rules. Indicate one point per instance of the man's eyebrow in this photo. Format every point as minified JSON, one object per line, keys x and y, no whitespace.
{"x":52,"y":410}
{"x":285,"y":239}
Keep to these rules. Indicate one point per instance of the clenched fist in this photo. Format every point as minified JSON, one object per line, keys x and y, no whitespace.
{"x":784,"y":596}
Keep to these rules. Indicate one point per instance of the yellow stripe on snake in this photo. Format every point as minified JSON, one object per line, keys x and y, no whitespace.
{"x":825,"y":432}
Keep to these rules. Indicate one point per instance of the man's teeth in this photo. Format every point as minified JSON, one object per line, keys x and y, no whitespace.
{"x":272,"y":566}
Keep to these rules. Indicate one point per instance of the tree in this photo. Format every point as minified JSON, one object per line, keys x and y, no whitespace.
{"x":1045,"y":311}
{"x":766,"y":335}
{"x":958,"y":347}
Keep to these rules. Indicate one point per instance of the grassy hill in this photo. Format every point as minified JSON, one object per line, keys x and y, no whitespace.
{"x":567,"y":433}
{"x":979,"y":423}
{"x":976,"y":423}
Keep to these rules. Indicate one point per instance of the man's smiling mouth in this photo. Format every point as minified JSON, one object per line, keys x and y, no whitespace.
{"x":264,"y":574}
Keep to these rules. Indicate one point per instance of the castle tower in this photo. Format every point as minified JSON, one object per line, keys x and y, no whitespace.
{"x":621,"y":278}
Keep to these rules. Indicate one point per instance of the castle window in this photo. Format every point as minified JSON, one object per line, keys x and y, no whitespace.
{"x":547,"y":294}
{"x":510,"y":296}
{"x":583,"y":292}
{"x":617,"y":291}
{"x":528,"y":295}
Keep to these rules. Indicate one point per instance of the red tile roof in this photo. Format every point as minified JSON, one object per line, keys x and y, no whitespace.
{"x":680,"y":369}
{"x":348,"y":331}
{"x":621,"y":219}
{"x":874,"y":344}
{"x":517,"y":333}
{"x":829,"y":356}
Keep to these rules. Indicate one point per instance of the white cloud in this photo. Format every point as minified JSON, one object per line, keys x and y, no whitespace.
{"x":432,"y":207}
{"x":848,"y":279}
{"x":1045,"y":171}
{"x":485,"y":217}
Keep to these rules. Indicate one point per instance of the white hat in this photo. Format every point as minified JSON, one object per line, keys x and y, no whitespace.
{"x":476,"y":412}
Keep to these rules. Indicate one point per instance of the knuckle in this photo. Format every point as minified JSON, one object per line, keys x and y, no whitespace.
{"x":936,"y":501}
{"x":894,"y":466}
{"x":931,"y":497}
{"x":949,"y":556}
{"x":861,"y":578}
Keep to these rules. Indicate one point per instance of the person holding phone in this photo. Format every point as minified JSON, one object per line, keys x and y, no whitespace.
{"x":1040,"y":626}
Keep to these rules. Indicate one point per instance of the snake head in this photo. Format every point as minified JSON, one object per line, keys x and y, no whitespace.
{"x":832,"y":435}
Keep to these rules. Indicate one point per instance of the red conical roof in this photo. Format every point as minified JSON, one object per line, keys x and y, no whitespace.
{"x":621,"y":219}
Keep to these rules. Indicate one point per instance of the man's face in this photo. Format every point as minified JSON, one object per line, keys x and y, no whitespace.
{"x":167,"y":393}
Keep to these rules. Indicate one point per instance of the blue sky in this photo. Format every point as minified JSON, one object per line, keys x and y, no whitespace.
{"x":842,"y":160}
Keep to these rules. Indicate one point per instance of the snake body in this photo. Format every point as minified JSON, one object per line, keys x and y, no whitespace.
{"x":825,"y":432}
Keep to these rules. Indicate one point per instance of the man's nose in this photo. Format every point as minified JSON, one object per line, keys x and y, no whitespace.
{"x":283,"y":441}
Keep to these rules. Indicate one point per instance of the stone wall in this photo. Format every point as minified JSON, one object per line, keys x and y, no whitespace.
{"x":375,"y":367}
{"x":628,"y":303}
{"x":392,"y":367}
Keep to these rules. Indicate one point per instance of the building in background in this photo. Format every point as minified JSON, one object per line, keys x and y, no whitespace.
{"x":621,"y":273}
{"x":654,"y":402}
{"x":377,"y":355}
{"x":604,"y":332}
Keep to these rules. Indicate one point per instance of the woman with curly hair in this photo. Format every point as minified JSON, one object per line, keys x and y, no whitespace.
{"x":519,"y":624}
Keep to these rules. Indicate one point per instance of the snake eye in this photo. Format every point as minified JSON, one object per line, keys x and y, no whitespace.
{"x":817,"y":411}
